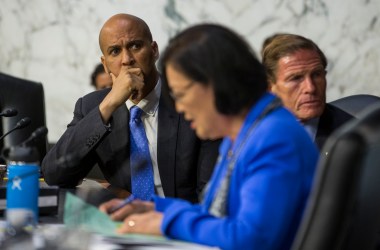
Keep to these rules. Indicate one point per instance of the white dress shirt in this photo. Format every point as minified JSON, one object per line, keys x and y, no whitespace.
{"x":311,"y":127}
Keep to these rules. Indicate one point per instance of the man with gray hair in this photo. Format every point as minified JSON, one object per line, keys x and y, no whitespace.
{"x":296,"y":71}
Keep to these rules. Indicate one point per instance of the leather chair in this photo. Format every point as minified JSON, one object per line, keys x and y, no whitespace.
{"x":27,"y":98}
{"x":343,"y":211}
{"x":355,"y":103}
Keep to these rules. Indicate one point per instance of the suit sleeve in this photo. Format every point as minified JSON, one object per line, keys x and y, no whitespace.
{"x":72,"y":157}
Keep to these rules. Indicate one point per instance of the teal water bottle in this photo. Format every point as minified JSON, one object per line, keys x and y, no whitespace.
{"x":22,"y":187}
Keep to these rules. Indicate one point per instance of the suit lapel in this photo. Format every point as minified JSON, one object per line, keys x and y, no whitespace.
{"x":324,"y":128}
{"x":168,"y":122}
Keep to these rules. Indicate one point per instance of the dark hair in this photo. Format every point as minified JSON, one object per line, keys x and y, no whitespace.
{"x":279,"y":45}
{"x":213,"y":54}
{"x":99,"y":69}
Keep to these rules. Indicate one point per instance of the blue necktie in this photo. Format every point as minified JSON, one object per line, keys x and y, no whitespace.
{"x":141,"y":163}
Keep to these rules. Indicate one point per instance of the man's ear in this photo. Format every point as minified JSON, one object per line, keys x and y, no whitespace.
{"x":271,"y":87}
{"x":156,"y":52}
{"x":102,"y":59}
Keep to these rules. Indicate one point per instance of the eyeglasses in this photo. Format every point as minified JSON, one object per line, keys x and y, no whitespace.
{"x":178,"y":96}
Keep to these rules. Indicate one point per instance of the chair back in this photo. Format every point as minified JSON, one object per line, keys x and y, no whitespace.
{"x":343,"y":210}
{"x":354,"y":104}
{"x":27,"y":98}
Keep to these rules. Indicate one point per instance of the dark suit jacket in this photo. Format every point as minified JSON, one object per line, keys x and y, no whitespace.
{"x":185,"y":163}
{"x":331,"y":119}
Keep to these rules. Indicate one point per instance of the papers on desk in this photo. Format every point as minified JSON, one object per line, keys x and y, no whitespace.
{"x":79,"y":214}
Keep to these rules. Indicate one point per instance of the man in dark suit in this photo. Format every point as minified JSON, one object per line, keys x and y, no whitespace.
{"x":296,"y":70}
{"x":99,"y":132}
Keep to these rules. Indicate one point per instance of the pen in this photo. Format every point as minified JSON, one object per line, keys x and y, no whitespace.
{"x":125,"y":202}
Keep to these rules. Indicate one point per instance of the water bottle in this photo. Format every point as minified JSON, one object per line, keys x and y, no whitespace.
{"x":22,"y":187}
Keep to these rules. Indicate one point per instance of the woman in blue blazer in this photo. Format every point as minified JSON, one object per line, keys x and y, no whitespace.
{"x":263,"y":176}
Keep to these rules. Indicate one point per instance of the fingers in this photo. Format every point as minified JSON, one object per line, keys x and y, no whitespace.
{"x":123,"y":212}
{"x":145,"y":223}
{"x":107,"y":206}
{"x":120,"y":214}
{"x":129,"y":83}
{"x":113,"y":77}
{"x":136,"y":71}
{"x":133,"y":73}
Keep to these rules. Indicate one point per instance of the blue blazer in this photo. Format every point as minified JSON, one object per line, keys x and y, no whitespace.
{"x":268,"y":189}
{"x":185,"y":163}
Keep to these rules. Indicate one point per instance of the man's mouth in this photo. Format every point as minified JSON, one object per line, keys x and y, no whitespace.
{"x":310,"y":102}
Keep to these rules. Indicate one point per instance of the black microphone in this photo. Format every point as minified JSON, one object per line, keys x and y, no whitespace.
{"x":19,"y":125}
{"x":38,"y":133}
{"x":9,"y":112}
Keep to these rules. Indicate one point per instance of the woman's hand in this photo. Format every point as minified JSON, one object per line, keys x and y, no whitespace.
{"x":137,"y":206}
{"x":144,"y":223}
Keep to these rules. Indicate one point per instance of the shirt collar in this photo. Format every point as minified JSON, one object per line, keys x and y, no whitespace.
{"x":150,"y":103}
{"x":311,"y":127}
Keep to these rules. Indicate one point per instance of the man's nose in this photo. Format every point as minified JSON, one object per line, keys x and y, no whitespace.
{"x":179,"y":107}
{"x":127,"y":58}
{"x":308,"y":85}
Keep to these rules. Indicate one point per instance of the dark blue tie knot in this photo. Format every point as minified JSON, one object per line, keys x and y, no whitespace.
{"x":136,"y":114}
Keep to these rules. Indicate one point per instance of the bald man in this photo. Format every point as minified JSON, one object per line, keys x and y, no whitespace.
{"x":99,"y":132}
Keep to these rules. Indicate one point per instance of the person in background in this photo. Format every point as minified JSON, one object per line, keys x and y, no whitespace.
{"x":296,"y":71}
{"x":171,"y":160}
{"x":100,"y":79}
{"x":260,"y":184}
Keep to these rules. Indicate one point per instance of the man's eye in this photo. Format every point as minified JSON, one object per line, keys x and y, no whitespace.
{"x":115,"y":51}
{"x":319,"y":73}
{"x":296,"y":78}
{"x":135,"y":46}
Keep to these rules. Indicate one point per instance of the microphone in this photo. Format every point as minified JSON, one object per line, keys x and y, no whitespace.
{"x":38,"y":133}
{"x":9,"y":113}
{"x":19,"y":125}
